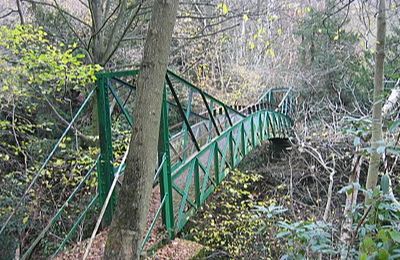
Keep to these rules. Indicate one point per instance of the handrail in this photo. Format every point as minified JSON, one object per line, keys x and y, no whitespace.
{"x":58,"y":213}
{"x":205,"y":93}
{"x":34,"y":179}
{"x":233,"y":134}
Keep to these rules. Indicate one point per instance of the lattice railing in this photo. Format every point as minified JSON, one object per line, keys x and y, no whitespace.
{"x":201,"y":138}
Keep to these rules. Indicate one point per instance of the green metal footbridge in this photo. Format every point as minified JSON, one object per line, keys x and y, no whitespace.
{"x":201,"y":139}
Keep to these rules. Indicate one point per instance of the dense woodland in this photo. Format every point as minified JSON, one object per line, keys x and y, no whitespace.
{"x":330,"y":193}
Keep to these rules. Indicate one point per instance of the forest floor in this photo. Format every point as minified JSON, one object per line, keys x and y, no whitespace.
{"x":295,"y":177}
{"x":177,"y":249}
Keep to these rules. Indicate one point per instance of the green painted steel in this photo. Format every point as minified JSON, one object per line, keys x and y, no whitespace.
{"x":121,"y":106}
{"x":200,"y":140}
{"x":75,"y":226}
{"x":57,"y":215}
{"x":165,"y":180}
{"x":147,"y":236}
{"x":237,"y":135}
{"x":105,"y":165}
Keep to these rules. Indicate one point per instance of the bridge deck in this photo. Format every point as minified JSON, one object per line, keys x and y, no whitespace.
{"x":201,"y":138}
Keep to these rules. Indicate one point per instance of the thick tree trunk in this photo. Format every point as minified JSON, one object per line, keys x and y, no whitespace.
{"x":127,"y":228}
{"x":97,"y":52}
{"x":376,"y":139}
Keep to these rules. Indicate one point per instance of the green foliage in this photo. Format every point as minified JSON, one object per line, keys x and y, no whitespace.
{"x":360,"y":130}
{"x":392,"y":48}
{"x":306,"y":239}
{"x":228,"y":221}
{"x":378,"y":228}
{"x":41,"y":85}
{"x":31,"y":61}
{"x":340,"y":62}
{"x":331,"y":54}
{"x":34,"y":71}
{"x":322,"y":34}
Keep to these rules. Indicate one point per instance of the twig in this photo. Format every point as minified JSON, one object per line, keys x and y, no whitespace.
{"x":328,"y":203}
{"x":62,"y":119}
{"x":16,"y":138}
{"x":19,"y":9}
{"x":354,"y":235}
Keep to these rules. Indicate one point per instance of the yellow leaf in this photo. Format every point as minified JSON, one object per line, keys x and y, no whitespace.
{"x":271,"y":53}
{"x":25,"y":220}
{"x":279,"y":31}
{"x":336,"y":37}
{"x":273,"y":18}
{"x":58,"y":162}
{"x":251,"y":45}
{"x":245,"y":17}
{"x":223,"y":7}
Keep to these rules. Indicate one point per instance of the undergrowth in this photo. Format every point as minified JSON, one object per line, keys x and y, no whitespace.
{"x":229,"y":223}
{"x":259,"y":215}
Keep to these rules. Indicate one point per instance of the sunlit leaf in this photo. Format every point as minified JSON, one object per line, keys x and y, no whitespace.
{"x":223,"y":8}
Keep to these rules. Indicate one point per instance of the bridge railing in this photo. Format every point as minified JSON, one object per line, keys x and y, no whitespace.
{"x":191,"y":120}
{"x":201,"y":138}
{"x":196,"y":179}
{"x":65,"y":212}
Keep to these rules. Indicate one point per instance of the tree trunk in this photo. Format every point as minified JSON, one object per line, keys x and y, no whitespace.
{"x":97,"y":52}
{"x":351,"y":202}
{"x":127,"y":228}
{"x":376,"y":139}
{"x":391,"y":102}
{"x":20,"y":12}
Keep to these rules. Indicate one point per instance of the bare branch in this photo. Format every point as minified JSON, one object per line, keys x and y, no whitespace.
{"x":19,"y":8}
{"x":9,"y":13}
{"x":58,"y":9}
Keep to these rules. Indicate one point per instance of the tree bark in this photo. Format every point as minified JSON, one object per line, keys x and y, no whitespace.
{"x":351,"y":202}
{"x":391,"y":102}
{"x":128,"y":226}
{"x":376,"y":140}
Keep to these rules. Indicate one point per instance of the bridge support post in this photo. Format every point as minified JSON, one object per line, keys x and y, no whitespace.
{"x":253,"y":134}
{"x":260,"y":127}
{"x":231,"y":149}
{"x":216,"y":164}
{"x":105,"y":167}
{"x":166,"y":179}
{"x":243,"y":140}
{"x":197,"y":183}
